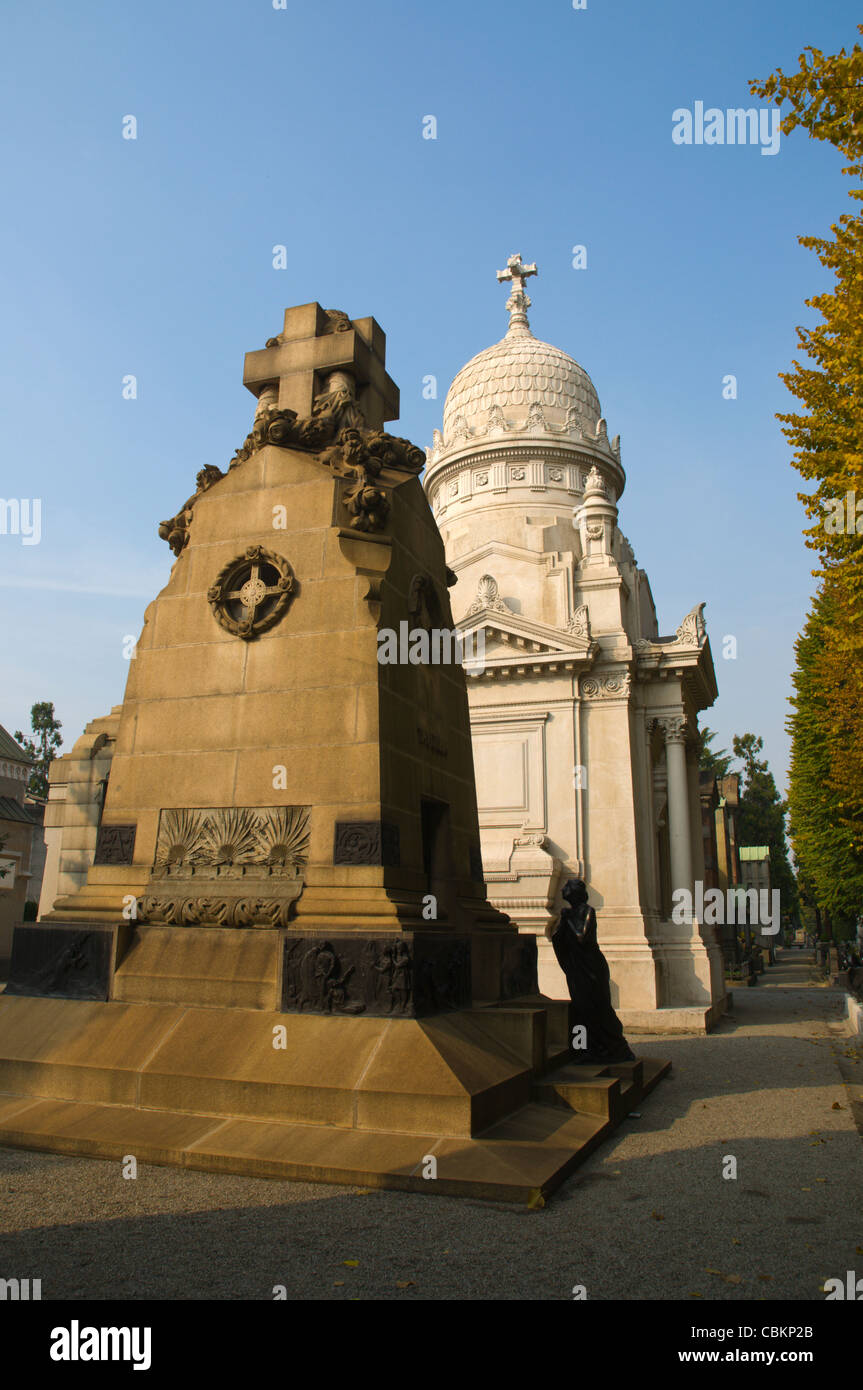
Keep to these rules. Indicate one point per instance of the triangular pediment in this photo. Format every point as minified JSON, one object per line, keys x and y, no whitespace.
{"x":515,"y":645}
{"x":512,"y":632}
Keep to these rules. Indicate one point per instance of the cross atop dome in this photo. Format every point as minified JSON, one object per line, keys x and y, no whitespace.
{"x":518,"y":302}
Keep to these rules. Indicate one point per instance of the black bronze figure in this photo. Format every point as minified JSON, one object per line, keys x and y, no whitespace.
{"x":574,"y":941}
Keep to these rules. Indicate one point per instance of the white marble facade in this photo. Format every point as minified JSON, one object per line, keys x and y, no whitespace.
{"x":584,"y":717}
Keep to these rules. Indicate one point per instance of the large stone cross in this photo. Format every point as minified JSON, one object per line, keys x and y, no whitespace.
{"x":315,"y":351}
{"x":518,"y":302}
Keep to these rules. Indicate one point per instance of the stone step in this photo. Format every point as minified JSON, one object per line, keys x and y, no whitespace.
{"x":611,"y":1091}
{"x":522,"y":1159}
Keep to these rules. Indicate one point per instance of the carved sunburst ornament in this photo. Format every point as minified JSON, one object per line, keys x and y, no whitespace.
{"x":252,"y":592}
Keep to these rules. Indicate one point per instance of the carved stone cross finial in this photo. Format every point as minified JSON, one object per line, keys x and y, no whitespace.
{"x":518,"y":302}
{"x":322,"y":355}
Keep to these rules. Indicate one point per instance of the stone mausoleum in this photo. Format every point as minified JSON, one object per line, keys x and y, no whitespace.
{"x":584,"y":717}
{"x":266,"y":945}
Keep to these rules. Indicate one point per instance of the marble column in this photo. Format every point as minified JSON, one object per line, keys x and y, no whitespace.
{"x":679,"y":826}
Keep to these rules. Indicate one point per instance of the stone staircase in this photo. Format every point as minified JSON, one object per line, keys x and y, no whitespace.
{"x":489,"y":1094}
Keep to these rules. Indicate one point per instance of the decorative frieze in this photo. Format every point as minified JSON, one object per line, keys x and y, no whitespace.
{"x":227,"y":866}
{"x":230,"y":842}
{"x":176,"y":909}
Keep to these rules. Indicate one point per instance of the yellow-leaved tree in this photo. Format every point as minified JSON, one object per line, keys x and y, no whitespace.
{"x":825,"y":98}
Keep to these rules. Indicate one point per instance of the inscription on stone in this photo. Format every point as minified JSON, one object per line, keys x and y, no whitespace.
{"x":431,"y":741}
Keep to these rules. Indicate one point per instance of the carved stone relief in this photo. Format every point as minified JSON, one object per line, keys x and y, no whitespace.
{"x":579,"y":624}
{"x":615,"y":685}
{"x":176,"y":529}
{"x":487,"y":597}
{"x":252,"y":592}
{"x":693,"y":629}
{"x":367,"y":842}
{"x":408,"y":975}
{"x":227,"y":866}
{"x":115,"y":844}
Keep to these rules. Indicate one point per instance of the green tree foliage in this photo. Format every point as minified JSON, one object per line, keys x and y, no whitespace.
{"x":42,"y":749}
{"x":826,"y":832}
{"x":719,"y":763}
{"x":761,"y":817}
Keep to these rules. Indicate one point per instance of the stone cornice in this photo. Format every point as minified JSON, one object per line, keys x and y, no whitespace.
{"x":524,"y":663}
{"x":691,"y":665}
{"x":534,"y":713}
{"x":536,"y":458}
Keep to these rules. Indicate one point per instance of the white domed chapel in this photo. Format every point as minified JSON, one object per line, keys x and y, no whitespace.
{"x":583,"y":717}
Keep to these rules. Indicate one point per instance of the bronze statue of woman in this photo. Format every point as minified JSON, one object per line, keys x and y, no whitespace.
{"x":573,"y":939}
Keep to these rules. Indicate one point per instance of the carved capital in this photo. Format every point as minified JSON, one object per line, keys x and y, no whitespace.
{"x":673,"y":727}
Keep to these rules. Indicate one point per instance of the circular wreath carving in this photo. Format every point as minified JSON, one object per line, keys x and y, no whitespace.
{"x":252,"y":592}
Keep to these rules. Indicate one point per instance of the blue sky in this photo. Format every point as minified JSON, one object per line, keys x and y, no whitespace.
{"x":303,"y":127}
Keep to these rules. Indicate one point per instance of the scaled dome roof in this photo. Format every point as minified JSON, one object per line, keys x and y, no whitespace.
{"x":512,"y":375}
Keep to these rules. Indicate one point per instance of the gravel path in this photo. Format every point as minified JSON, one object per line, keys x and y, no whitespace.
{"x":650,"y":1216}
